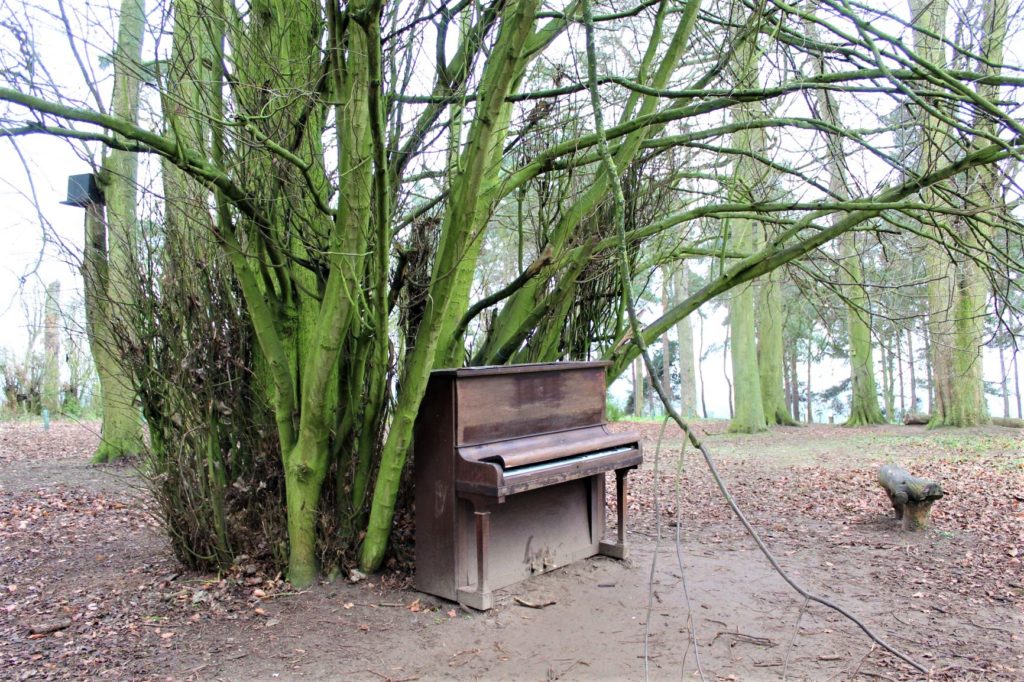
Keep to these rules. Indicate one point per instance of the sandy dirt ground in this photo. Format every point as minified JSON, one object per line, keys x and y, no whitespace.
{"x":90,"y":590}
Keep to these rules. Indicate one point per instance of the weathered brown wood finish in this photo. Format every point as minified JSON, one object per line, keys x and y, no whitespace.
{"x":509,"y":474}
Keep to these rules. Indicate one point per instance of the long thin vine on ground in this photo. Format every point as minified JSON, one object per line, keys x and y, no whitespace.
{"x":618,"y":198}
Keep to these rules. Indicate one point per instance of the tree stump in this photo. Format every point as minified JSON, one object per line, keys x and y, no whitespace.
{"x":911,"y":497}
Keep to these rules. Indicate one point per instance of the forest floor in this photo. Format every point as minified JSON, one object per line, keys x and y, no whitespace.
{"x":89,"y":588}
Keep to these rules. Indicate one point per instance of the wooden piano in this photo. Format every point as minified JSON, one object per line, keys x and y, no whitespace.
{"x":509,"y":468}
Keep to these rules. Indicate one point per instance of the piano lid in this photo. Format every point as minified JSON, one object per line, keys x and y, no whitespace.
{"x":528,"y":450}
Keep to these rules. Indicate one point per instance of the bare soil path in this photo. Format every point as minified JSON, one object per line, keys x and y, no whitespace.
{"x":89,"y":589}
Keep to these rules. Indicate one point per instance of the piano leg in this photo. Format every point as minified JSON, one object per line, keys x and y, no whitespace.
{"x":480,"y":599}
{"x":617,"y":550}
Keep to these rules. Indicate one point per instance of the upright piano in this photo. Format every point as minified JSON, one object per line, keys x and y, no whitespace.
{"x":509,"y":471}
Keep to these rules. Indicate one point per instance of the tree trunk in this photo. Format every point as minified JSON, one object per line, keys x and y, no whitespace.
{"x":111,"y":292}
{"x":50,"y":389}
{"x":810,"y":410}
{"x":911,"y":361}
{"x":864,"y":394}
{"x":1003,"y":382}
{"x":684,"y":333}
{"x":898,"y":341}
{"x":666,"y":352}
{"x":700,"y":369}
{"x":888,"y":374}
{"x":864,"y":407}
{"x":770,"y":357}
{"x":1016,"y":385}
{"x":748,"y":178}
{"x":638,"y":388}
{"x":725,"y":372}
{"x":794,"y":380}
{"x":120,"y":431}
{"x":957,"y":295}
{"x":928,"y":370}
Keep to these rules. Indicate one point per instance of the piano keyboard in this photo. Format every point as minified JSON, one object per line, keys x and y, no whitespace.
{"x":554,"y":464}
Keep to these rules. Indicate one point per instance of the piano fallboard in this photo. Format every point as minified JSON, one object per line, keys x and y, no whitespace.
{"x":507,"y":467}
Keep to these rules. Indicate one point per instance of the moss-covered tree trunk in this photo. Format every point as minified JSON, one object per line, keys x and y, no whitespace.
{"x":746,"y":185}
{"x":956,"y":293}
{"x":770,"y":355}
{"x":864,"y":408}
{"x":519,"y":316}
{"x":502,"y":69}
{"x":110,"y":257}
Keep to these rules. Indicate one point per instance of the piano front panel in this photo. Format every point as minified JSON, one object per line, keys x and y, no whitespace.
{"x":535,"y":532}
{"x":495,"y":407}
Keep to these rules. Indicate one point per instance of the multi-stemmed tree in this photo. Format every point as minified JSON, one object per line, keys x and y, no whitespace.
{"x":334,"y":175}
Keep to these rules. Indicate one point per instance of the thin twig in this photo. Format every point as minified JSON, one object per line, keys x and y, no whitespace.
{"x":691,"y":622}
{"x":618,"y":206}
{"x":792,"y":641}
{"x":654,"y":557}
{"x":861,"y":662}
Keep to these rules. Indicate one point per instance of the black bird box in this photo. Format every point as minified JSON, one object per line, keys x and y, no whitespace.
{"x":83,"y":191}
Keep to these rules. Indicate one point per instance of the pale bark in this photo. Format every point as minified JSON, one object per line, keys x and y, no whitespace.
{"x":911,"y":360}
{"x":50,"y":388}
{"x":666,"y":353}
{"x":810,"y":397}
{"x":638,"y":388}
{"x":684,"y":334}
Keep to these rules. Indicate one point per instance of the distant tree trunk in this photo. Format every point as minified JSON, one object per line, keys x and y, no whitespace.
{"x":109,"y":297}
{"x":898,"y":341}
{"x":725,"y":371}
{"x":956,"y":290}
{"x":638,"y":388}
{"x":666,"y":347}
{"x":1003,"y":388}
{"x":704,"y":400}
{"x":794,"y":380}
{"x":911,"y":362}
{"x":787,"y":379}
{"x":928,"y":367}
{"x":747,"y":180}
{"x":888,"y":374}
{"x":770,"y":356}
{"x":810,"y":409}
{"x":864,"y":393}
{"x":1016,"y":385}
{"x":684,"y":332}
{"x":50,"y":389}
{"x":864,"y":407}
